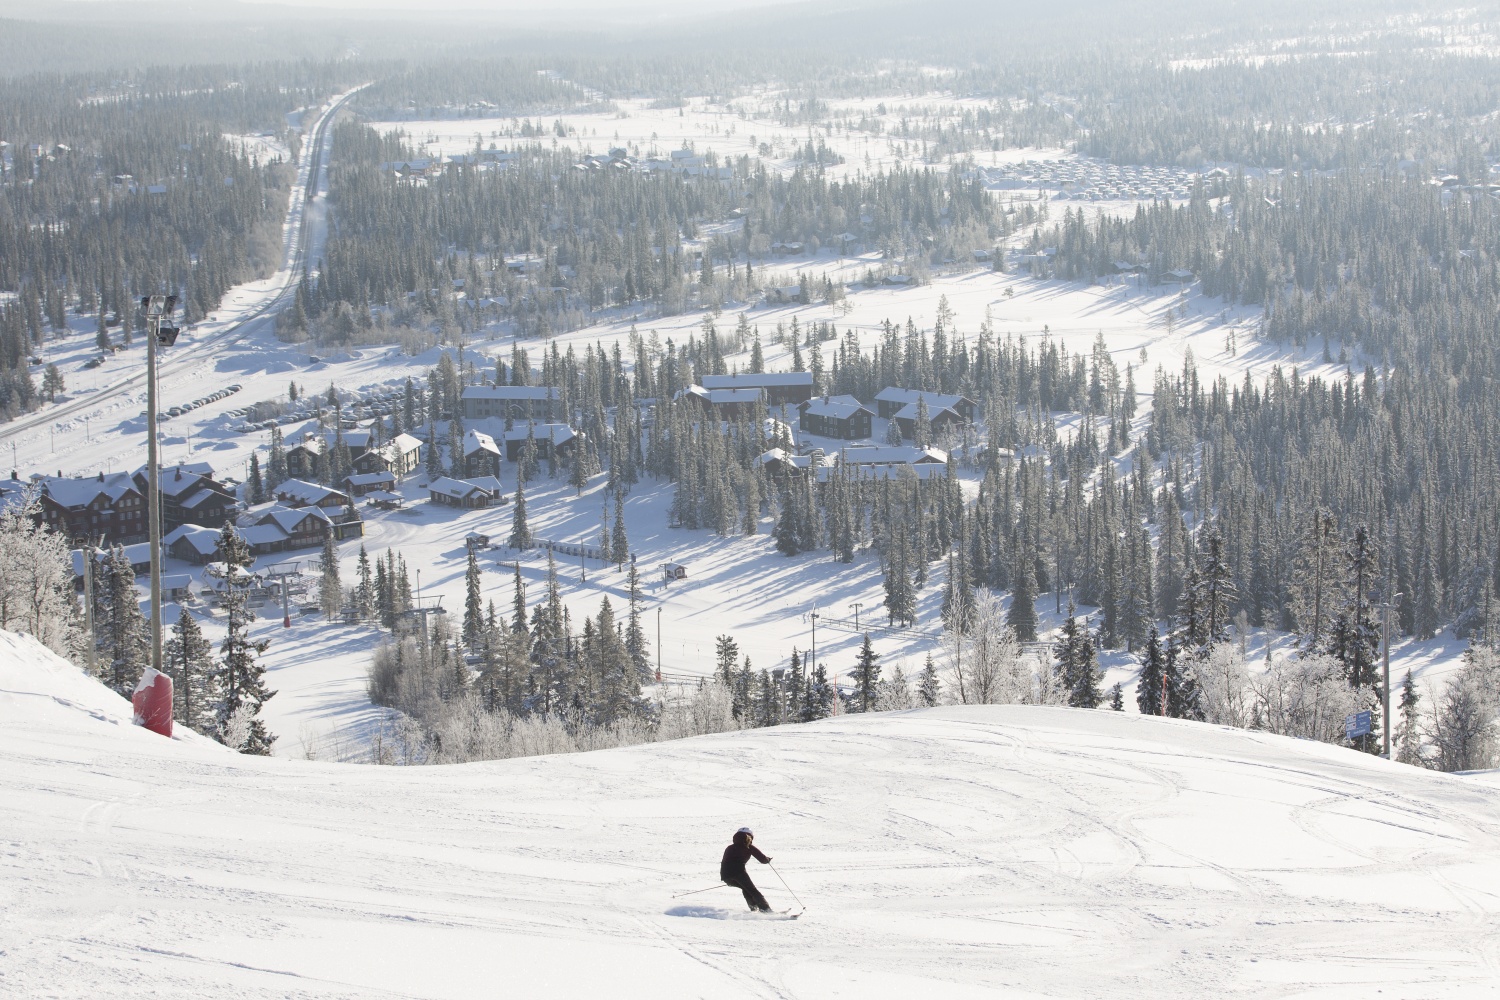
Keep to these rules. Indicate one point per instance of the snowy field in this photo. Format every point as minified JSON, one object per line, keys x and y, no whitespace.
{"x":982,"y":852}
{"x":744,"y":127}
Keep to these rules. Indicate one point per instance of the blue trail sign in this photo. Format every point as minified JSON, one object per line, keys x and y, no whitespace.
{"x":1357,"y":724}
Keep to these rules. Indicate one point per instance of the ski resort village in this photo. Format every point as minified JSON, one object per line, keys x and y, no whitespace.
{"x":1016,"y":490}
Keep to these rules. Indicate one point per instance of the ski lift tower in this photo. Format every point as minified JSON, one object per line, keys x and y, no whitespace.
{"x":158,"y":311}
{"x":283,"y":573}
{"x":419,"y":609}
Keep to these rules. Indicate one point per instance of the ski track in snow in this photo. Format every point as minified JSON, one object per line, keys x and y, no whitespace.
{"x":983,"y":852}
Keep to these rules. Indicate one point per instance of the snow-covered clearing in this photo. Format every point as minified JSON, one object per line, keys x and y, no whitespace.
{"x":744,"y":127}
{"x":965,"y":852}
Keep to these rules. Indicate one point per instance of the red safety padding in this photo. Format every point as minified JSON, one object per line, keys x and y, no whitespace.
{"x":152,"y":702}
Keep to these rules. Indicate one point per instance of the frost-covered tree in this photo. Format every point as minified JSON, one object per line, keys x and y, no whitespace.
{"x":36,"y":579}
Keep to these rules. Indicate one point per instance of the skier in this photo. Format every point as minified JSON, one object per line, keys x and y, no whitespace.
{"x":732,"y":868}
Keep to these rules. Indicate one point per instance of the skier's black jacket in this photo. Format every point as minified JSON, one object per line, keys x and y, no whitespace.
{"x":732,"y":868}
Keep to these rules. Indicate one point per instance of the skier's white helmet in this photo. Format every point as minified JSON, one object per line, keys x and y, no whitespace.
{"x":745,"y":829}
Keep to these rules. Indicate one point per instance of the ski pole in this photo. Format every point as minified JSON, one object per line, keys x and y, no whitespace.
{"x":788,"y":888}
{"x":695,"y":892}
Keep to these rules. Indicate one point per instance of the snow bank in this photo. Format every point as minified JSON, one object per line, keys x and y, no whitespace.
{"x":43,"y":694}
{"x":960,"y":852}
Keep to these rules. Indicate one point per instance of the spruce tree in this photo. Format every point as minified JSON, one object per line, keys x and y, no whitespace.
{"x":244,"y":691}
{"x":1021,"y":615}
{"x":330,"y":589}
{"x":1151,"y":687}
{"x":188,"y":659}
{"x":619,"y":544}
{"x":928,"y":686}
{"x":126,"y":635}
{"x":1077,"y":667}
{"x":520,"y":532}
{"x":364,"y":592}
{"x":255,"y":487}
{"x":866,"y":675}
{"x":1407,"y":734}
{"x":726,"y":655}
{"x":473,"y":628}
{"x":1116,"y":699}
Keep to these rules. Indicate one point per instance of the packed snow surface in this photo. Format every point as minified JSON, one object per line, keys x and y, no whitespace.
{"x":957,"y":852}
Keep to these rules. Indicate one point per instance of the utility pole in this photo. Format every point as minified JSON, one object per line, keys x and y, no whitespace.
{"x":157,"y":308}
{"x":857,"y":606}
{"x":658,"y":645}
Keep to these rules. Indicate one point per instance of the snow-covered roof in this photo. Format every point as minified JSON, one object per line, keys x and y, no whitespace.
{"x":909,"y":411}
{"x":780,"y":455}
{"x":836,"y":407}
{"x":460,"y":488}
{"x":892,"y":455}
{"x":203,"y":540}
{"x":303,"y":491}
{"x":286,"y":517}
{"x":766,"y":380}
{"x":479,"y":441}
{"x":370,"y":478}
{"x":934,"y":400}
{"x":556,"y":433}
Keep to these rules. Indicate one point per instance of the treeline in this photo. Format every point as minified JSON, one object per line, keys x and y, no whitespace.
{"x":116,"y":187}
{"x":584,"y":240}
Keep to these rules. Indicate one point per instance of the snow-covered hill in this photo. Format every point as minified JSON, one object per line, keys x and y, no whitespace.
{"x":1003,"y":851}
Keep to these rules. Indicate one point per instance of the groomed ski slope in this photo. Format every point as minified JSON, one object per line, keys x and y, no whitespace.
{"x":956,"y":852}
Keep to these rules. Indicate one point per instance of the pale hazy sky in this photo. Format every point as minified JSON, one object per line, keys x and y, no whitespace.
{"x":531,"y":8}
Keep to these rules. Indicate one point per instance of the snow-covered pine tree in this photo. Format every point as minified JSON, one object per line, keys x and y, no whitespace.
{"x":434,"y":455}
{"x":817,"y":701}
{"x":188,"y":658}
{"x":1116,"y":699}
{"x":330,"y":588}
{"x":619,"y":544}
{"x":473,"y":628}
{"x":364,"y":591}
{"x":786,"y":525}
{"x":929,"y":687}
{"x":1077,"y":667}
{"x":1184,"y":693}
{"x":244,"y":688}
{"x":726,"y":656}
{"x":636,"y":644}
{"x":520,"y":532}
{"x":1408,"y":735}
{"x":866,"y":676}
{"x":1151,"y":686}
{"x":276,"y":470}
{"x":1021,"y":615}
{"x":126,"y":635}
{"x":743,"y":693}
{"x":255,"y":487}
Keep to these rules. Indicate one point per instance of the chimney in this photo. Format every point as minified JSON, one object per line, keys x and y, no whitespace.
{"x":101,"y":477}
{"x":179,"y":472}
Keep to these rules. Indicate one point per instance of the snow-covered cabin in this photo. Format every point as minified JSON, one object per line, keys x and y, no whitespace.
{"x":300,"y":493}
{"x":516,"y":402}
{"x":400,"y":456}
{"x":481,"y":454}
{"x":192,"y":543}
{"x":778,"y":387}
{"x":482,"y":491}
{"x":891,"y":400}
{"x":836,"y":416}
